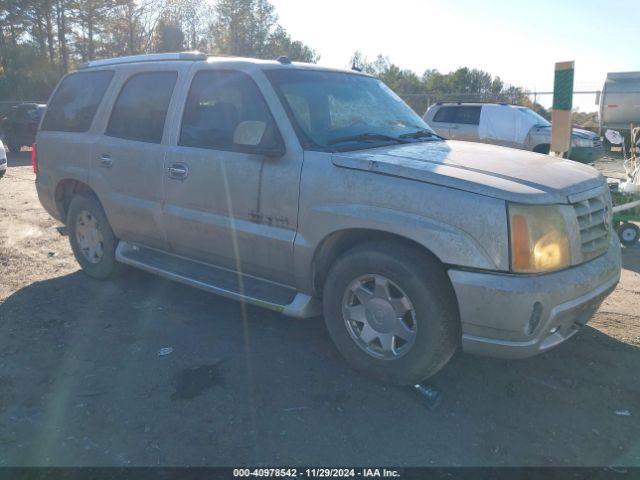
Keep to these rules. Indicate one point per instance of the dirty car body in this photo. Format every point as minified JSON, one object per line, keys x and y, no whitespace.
{"x":279,"y":223}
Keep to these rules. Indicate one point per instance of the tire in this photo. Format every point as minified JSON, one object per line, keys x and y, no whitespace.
{"x":542,"y":148}
{"x":418,"y":277}
{"x":2,"y":172}
{"x":84,"y":216}
{"x":629,"y":234}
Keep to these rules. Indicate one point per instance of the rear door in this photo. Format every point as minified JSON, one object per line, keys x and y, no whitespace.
{"x":68,"y":130}
{"x":128,"y":157}
{"x":465,"y":122}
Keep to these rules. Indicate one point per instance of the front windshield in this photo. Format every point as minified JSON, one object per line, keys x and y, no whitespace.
{"x":540,"y":120}
{"x":341,"y":110}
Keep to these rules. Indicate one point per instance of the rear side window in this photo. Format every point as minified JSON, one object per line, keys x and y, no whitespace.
{"x":141,"y":108}
{"x":76,"y":101}
{"x":445,"y":115}
{"x":464,"y":115}
{"x":468,"y":115}
{"x":218,"y":101}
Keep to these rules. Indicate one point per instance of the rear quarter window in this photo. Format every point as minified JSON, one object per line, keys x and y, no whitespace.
{"x":76,"y":101}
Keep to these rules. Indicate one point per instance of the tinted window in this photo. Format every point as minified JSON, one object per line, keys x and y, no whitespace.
{"x":217,"y":102}
{"x":445,"y":114}
{"x":468,"y":115}
{"x":75,"y":102}
{"x":141,"y":108}
{"x":465,"y":115}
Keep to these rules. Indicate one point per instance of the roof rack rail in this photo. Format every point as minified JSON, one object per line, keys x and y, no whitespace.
{"x":149,"y":57}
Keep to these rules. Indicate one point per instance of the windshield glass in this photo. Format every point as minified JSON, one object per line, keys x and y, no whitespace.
{"x":540,"y":120}
{"x":334,"y":109}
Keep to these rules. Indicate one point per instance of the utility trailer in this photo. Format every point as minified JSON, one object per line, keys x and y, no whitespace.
{"x":619,"y":104}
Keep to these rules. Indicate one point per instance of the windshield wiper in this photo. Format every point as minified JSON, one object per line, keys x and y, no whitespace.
{"x":366,"y":137}
{"x":421,"y":134}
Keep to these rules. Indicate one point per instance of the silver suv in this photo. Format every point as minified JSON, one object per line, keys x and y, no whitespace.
{"x":313,"y":191}
{"x":509,"y":126}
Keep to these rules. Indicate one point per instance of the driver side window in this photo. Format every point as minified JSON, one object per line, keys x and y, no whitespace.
{"x":217,"y":103}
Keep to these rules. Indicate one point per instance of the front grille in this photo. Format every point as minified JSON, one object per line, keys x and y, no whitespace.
{"x":594,"y":220}
{"x":597,"y":142}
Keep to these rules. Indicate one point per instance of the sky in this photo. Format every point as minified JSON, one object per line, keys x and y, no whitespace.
{"x":515,"y":40}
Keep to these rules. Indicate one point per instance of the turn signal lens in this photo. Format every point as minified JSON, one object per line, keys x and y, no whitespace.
{"x":539,"y":238}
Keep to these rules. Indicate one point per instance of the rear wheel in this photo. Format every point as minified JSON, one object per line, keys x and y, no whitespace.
{"x":629,"y":234}
{"x":92,"y":240}
{"x":391,"y":312}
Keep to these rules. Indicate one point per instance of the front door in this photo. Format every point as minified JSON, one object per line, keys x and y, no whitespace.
{"x":226,"y":204}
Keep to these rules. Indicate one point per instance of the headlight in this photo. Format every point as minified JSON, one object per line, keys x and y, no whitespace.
{"x":582,"y":142}
{"x":539,"y":238}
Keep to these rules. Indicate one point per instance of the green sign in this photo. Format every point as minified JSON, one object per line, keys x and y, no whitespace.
{"x":563,"y":89}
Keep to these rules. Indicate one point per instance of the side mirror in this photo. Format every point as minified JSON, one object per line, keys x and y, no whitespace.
{"x":249,"y":133}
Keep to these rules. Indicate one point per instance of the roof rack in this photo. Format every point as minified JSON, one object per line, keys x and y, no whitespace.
{"x":150,"y":57}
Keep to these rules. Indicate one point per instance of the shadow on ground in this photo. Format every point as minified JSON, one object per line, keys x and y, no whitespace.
{"x":82,"y":383}
{"x":631,"y":258}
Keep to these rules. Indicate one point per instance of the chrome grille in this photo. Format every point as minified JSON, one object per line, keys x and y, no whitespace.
{"x":594,"y":220}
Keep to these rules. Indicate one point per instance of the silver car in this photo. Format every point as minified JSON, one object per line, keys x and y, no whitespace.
{"x":509,"y":126}
{"x":314,"y":191}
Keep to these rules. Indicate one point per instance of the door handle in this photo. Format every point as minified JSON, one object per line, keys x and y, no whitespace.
{"x":454,"y":127}
{"x":105,"y":160}
{"x":178,"y":171}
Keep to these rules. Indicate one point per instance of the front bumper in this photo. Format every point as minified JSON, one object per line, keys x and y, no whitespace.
{"x":517,"y":316}
{"x":586,"y":154}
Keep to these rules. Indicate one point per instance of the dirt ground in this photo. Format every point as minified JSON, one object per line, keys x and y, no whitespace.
{"x":82,"y":383}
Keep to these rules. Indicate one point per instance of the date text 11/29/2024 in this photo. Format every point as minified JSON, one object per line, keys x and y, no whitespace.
{"x":316,"y":472}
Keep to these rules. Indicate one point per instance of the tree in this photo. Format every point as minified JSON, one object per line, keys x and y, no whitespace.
{"x":40,"y":40}
{"x":249,"y":28}
{"x":169,"y":36}
{"x":463,"y":84}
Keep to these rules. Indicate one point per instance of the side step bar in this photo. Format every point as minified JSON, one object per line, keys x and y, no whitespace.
{"x":220,"y":281}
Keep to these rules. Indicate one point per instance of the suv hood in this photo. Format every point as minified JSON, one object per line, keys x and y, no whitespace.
{"x":505,"y":173}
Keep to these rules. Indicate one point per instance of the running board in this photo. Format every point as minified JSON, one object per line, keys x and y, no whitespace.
{"x":220,"y":281}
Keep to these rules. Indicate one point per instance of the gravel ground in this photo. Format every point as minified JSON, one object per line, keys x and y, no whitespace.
{"x":81,"y":381}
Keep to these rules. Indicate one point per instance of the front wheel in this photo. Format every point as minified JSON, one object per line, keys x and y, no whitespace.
{"x":92,"y":240}
{"x":391,"y":312}
{"x":629,"y":234}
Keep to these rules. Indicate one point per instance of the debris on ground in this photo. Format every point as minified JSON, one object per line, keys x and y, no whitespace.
{"x":429,"y":395}
{"x":164,"y":351}
{"x":623,"y":413}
